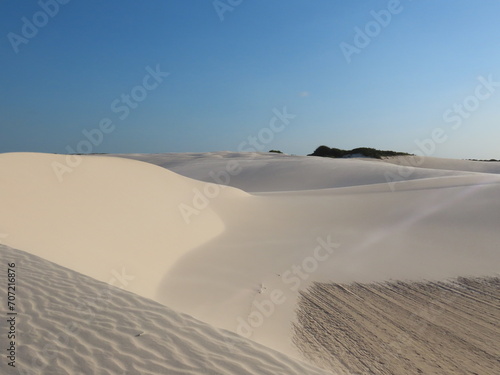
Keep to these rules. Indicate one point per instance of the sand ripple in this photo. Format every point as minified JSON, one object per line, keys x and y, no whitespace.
{"x":71,"y":324}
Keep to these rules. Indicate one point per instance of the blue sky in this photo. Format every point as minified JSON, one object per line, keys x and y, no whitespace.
{"x":231,"y":69}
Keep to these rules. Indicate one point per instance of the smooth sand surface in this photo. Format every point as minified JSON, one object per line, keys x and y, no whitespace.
{"x":265,"y":172}
{"x":447,"y":164}
{"x":106,"y":217}
{"x":435,"y":225}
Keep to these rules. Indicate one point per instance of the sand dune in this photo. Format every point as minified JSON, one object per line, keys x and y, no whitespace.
{"x":105,"y":218}
{"x":71,"y":324}
{"x":447,"y":164}
{"x":420,"y":232}
{"x":242,"y":260}
{"x":265,"y":172}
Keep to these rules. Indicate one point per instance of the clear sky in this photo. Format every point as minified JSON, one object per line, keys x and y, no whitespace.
{"x":292,"y":74}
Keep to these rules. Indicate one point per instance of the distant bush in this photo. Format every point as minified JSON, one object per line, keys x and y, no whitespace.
{"x":368,"y":152}
{"x":484,"y":160}
{"x":276,"y":151}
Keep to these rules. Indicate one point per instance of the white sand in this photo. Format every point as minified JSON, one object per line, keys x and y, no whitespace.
{"x":106,"y":217}
{"x":437,"y":225}
{"x":242,"y":250}
{"x":447,"y":164}
{"x":68,"y":323}
{"x":265,"y":172}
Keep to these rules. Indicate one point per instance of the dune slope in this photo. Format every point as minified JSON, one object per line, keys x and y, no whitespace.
{"x":240,"y":263}
{"x":68,"y":323}
{"x":402,"y":327}
{"x":265,"y":172}
{"x":106,"y":218}
{"x":446,"y":164}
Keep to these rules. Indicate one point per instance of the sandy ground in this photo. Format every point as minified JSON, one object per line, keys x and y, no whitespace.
{"x":402,"y":327}
{"x":265,"y":172}
{"x":243,"y":253}
{"x":446,"y":164}
{"x":70,"y":324}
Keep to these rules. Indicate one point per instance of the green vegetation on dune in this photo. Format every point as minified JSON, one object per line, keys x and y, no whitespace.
{"x":495,"y":160}
{"x":368,"y":152}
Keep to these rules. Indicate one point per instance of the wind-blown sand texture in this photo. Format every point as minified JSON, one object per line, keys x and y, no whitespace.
{"x":402,"y":327}
{"x":71,"y":324}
